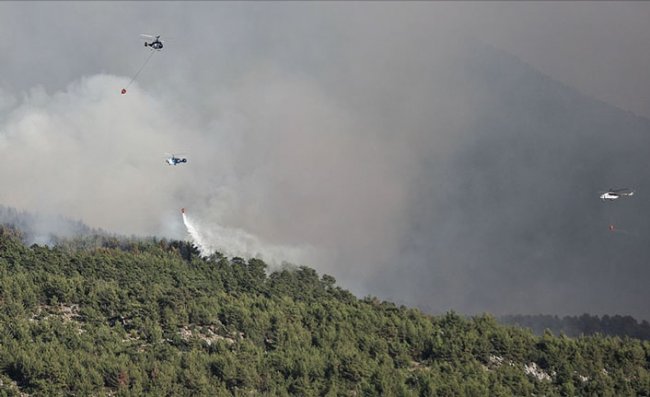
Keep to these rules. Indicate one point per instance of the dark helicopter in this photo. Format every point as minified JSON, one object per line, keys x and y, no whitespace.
{"x":155,"y":44}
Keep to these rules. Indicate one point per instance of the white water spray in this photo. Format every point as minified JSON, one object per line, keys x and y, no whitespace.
{"x":236,"y":242}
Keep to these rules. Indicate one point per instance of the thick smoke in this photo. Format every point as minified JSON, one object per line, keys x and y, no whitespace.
{"x":420,"y":161}
{"x":43,"y":229}
{"x":88,"y":153}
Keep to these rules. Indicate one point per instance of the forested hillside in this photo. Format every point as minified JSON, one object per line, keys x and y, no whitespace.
{"x":108,"y":316}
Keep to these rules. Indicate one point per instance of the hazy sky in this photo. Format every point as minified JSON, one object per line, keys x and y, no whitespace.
{"x":445,"y":155}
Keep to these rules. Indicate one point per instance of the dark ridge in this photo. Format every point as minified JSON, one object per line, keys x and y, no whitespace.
{"x":583,"y":325}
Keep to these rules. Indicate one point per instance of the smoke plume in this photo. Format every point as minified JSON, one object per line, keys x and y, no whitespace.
{"x":418,"y":160}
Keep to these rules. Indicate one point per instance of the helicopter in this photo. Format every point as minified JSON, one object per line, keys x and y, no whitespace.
{"x":155,"y":44}
{"x":614,"y":194}
{"x":173,"y":160}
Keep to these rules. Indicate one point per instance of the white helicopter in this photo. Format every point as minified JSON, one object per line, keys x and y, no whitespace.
{"x":155,"y":44}
{"x":614,"y":194}
{"x":174,"y":160}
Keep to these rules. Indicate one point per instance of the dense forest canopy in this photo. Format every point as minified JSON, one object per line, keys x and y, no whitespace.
{"x":100,"y":315}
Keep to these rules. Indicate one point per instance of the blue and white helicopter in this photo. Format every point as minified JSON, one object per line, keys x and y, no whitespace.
{"x":175,"y":160}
